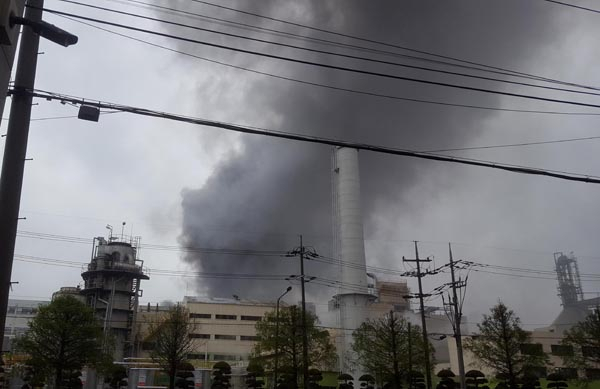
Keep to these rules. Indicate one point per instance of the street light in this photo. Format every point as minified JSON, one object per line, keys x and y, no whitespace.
{"x":277,"y":334}
{"x":46,"y":30}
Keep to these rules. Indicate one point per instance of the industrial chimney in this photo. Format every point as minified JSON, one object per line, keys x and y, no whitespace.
{"x":353,"y":298}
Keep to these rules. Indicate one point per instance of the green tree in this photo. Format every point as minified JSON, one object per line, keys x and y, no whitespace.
{"x":382,"y":347}
{"x":172,"y":342}
{"x":321,"y":351}
{"x":584,"y":340}
{"x":500,"y":342}
{"x":64,"y":337}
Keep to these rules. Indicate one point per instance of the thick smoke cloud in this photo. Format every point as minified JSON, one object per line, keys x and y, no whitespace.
{"x":265,"y":192}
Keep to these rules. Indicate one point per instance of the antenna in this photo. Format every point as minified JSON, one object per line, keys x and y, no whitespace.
{"x":122,"y":229}
{"x":110,"y":228}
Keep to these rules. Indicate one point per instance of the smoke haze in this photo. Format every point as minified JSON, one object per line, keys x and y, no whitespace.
{"x":264,"y":191}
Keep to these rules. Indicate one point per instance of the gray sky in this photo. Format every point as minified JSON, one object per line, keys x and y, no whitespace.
{"x":181,"y":184}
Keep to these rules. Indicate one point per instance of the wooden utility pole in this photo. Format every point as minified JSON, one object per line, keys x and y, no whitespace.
{"x":422,"y":306}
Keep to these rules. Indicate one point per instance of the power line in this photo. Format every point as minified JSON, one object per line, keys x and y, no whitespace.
{"x":320,"y":140}
{"x":63,"y":117}
{"x":573,"y":6}
{"x":250,"y":27}
{"x":204,"y":250}
{"x":327,"y":66}
{"x":202,"y":275}
{"x":515,"y":144}
{"x":225,"y":251}
{"x":347,"y":56}
{"x":378,"y":42}
{"x":331,"y":87}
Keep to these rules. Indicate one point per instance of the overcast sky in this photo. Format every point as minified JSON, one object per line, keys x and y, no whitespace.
{"x":178,"y":184}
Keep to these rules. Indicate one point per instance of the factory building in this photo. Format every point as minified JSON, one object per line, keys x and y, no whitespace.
{"x":575,"y":306}
{"x":548,"y":339}
{"x":18,"y":316}
{"x":224,"y":328}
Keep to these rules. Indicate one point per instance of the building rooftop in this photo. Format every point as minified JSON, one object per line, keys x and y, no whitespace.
{"x":221,"y":300}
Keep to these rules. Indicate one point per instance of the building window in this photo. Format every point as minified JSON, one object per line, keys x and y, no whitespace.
{"x":220,"y":357}
{"x":251,"y":318}
{"x":225,"y":337}
{"x":226,"y":317}
{"x":568,"y":372}
{"x":252,"y":338}
{"x":590,"y":351}
{"x":536,"y":371}
{"x":532,"y":349}
{"x":196,"y":356}
{"x":200,"y":316}
{"x":561,"y":350}
{"x":592,"y":374}
{"x":199,"y":336}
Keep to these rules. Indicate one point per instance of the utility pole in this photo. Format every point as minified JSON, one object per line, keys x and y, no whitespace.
{"x":457,"y":310}
{"x":422,"y":306}
{"x":302,"y":252}
{"x":409,"y":356}
{"x":15,"y":149}
{"x":304,"y":329}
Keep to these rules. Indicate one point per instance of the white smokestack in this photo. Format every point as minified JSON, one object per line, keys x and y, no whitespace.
{"x":353,"y":298}
{"x":351,"y":237}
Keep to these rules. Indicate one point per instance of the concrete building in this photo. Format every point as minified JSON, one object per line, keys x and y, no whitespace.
{"x":112,"y":288}
{"x":548,"y":341}
{"x":18,"y":316}
{"x":225,"y":328}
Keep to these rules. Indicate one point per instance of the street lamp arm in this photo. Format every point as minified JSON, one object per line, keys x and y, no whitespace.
{"x":46,"y":30}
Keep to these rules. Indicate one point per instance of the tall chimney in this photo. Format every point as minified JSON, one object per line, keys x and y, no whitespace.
{"x":353,"y":297}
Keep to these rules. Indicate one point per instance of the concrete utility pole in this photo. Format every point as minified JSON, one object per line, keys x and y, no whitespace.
{"x":15,"y":149}
{"x":422,"y":306}
{"x":9,"y":35}
{"x":304,"y":326}
{"x":303,"y":252}
{"x":457,"y":319}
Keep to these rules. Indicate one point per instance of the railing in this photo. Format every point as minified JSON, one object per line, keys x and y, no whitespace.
{"x":101,"y":264}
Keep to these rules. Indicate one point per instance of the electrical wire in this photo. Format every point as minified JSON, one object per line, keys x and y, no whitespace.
{"x":337,"y":44}
{"x":326,"y":66}
{"x":331,"y":87}
{"x":187,"y":249}
{"x":63,"y":117}
{"x":346,"y":56}
{"x":320,"y":140}
{"x":515,"y":144}
{"x":363,"y":39}
{"x":573,"y":6}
